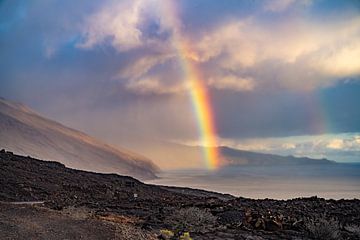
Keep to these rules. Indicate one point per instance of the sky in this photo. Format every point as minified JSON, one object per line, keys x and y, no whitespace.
{"x":282,"y":76}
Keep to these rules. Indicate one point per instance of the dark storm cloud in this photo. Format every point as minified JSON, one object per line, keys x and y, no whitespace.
{"x":279,"y":114}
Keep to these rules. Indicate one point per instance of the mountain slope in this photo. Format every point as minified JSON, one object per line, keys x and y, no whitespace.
{"x":25,"y":132}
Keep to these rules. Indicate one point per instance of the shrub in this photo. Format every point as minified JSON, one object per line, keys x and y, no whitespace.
{"x":191,"y":219}
{"x":185,"y":236}
{"x":166,"y":234}
{"x":131,"y":232}
{"x":79,"y":213}
{"x":323,"y":229}
{"x":354,"y":229}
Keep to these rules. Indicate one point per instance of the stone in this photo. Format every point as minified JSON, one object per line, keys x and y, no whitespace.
{"x":272,"y":225}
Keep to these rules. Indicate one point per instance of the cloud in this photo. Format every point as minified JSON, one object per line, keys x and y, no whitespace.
{"x":139,"y":28}
{"x":341,"y":62}
{"x":292,"y":52}
{"x":118,"y":23}
{"x":142,"y":65}
{"x":295,"y":54}
{"x":267,"y":66}
{"x":152,"y":85}
{"x":288,"y":146}
{"x":333,"y":146}
{"x":351,"y":143}
{"x":230,"y":40}
{"x":232,"y":82}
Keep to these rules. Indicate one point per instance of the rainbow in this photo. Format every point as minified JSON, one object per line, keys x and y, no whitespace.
{"x":197,"y":88}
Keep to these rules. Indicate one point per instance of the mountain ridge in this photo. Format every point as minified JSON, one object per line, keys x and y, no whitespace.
{"x":24,"y":131}
{"x":234,"y":156}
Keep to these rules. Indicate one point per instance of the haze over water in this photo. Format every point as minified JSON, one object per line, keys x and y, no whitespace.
{"x":330,"y":182}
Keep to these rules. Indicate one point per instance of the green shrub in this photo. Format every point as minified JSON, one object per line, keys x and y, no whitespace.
{"x":185,"y":236}
{"x":166,"y":234}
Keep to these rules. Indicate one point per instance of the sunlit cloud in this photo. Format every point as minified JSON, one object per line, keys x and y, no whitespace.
{"x":288,"y":146}
{"x":305,"y":57}
{"x":341,"y":62}
{"x":336,"y":144}
{"x":232,"y":82}
{"x":333,"y":146}
{"x":153,"y":85}
{"x":142,"y":65}
{"x":296,"y":54}
{"x":118,"y":23}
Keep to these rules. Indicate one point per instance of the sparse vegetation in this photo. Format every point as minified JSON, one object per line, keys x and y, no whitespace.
{"x":354,"y":229}
{"x":78,"y":204}
{"x":131,"y":232}
{"x":166,"y":234}
{"x":323,"y":229}
{"x":79,"y":213}
{"x":185,"y":236}
{"x":191,"y":219}
{"x":118,"y":219}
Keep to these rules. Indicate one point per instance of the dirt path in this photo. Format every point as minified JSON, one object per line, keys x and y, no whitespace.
{"x":27,"y":203}
{"x":28,"y":221}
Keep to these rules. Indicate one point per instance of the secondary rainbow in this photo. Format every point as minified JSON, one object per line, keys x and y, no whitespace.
{"x":198,"y":90}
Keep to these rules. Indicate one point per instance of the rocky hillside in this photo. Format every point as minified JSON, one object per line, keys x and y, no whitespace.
{"x":25,"y":132}
{"x":28,"y":179}
{"x":124,"y":208}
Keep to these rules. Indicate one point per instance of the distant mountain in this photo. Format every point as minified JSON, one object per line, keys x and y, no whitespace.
{"x":170,"y":155}
{"x":240,"y":157}
{"x":25,"y":132}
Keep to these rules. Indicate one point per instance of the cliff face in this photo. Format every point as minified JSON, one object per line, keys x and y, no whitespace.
{"x":25,"y":132}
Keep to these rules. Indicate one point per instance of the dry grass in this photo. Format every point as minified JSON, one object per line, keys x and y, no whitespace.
{"x":118,"y":219}
{"x":191,"y":219}
{"x":323,"y":229}
{"x":131,"y":232}
{"x":354,"y":229}
{"x":78,"y":213}
{"x":125,"y":228}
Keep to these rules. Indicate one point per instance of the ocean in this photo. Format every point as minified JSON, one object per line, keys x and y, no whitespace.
{"x":335,"y":181}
